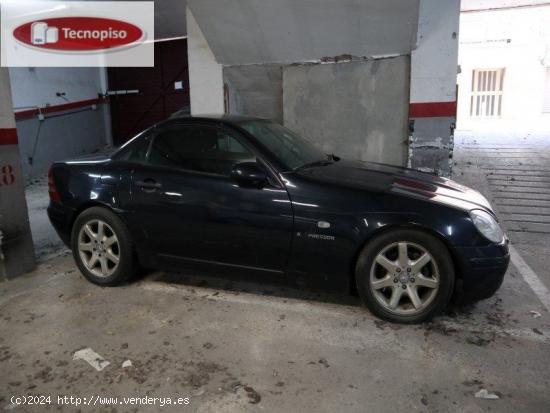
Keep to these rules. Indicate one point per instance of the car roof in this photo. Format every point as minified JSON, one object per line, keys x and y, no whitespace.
{"x":235,"y":119}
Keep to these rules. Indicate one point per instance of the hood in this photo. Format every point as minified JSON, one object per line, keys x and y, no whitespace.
{"x":400,"y":181}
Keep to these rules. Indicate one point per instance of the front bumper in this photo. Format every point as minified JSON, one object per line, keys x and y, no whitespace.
{"x":481,"y":271}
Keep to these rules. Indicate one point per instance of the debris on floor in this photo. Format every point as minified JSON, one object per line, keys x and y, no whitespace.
{"x":127,"y":363}
{"x":484,"y":394}
{"x":234,"y":386}
{"x":92,"y":358}
{"x":476,"y":340}
{"x":199,"y":393}
{"x":253,"y":396}
{"x":424,"y":400}
{"x":535,"y":314}
{"x":474,"y":382}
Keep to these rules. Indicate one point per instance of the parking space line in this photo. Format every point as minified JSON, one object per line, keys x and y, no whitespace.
{"x":349,"y":312}
{"x":248,"y":298}
{"x":522,"y":334}
{"x":531,"y":278}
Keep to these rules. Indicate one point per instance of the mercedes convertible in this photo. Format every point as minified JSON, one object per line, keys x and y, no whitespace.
{"x":246,"y":194}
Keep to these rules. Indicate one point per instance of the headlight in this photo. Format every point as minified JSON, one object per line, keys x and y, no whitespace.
{"x":487,"y":225}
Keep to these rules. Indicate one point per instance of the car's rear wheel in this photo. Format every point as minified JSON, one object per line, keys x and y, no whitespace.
{"x":102,"y":247}
{"x":405,"y":276}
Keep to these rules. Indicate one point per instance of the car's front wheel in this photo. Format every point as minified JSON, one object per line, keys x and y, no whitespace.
{"x":405,"y":276}
{"x":102,"y":247}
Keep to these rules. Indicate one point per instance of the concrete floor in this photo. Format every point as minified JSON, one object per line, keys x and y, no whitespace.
{"x":235,"y":344}
{"x":514,"y":173}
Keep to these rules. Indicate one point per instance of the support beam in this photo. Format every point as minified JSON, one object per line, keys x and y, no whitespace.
{"x":432,"y":111}
{"x":16,"y":246}
{"x":205,"y":74}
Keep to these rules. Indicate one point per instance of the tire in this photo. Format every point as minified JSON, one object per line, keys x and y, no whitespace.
{"x":86,"y":242}
{"x":422,"y":288}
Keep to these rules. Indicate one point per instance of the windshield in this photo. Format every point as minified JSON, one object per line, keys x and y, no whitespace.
{"x":292,"y":150}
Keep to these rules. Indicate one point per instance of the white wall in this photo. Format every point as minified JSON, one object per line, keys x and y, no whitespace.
{"x":38,"y":86}
{"x":494,"y":4}
{"x":517,"y":40}
{"x":61,"y":135}
{"x":205,"y":74}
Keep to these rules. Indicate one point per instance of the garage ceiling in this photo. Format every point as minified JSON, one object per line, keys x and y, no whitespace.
{"x":287,"y":31}
{"x":169,"y":17}
{"x":472,"y":5}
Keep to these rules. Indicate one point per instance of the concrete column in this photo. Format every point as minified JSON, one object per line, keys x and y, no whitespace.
{"x":205,"y":74}
{"x":16,"y":246}
{"x":434,"y":63}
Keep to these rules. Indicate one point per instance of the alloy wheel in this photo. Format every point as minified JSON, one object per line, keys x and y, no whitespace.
{"x":404,"y":278}
{"x":99,"y":248}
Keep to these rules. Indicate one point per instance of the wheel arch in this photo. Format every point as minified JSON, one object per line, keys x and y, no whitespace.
{"x":85,"y":206}
{"x":141,"y":254}
{"x":411,"y":226}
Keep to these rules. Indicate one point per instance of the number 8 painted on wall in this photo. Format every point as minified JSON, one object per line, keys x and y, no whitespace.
{"x":7,"y":178}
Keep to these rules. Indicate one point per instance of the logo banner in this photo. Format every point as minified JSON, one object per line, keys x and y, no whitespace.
{"x":77,"y":33}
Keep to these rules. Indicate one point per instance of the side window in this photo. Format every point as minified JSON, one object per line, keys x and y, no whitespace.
{"x":135,"y":150}
{"x":198,"y":148}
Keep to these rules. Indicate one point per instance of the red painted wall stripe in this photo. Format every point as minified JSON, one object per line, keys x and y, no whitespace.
{"x":432,"y":110}
{"x":8,"y":136}
{"x":26,"y":114}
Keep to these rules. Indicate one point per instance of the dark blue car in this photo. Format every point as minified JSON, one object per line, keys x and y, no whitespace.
{"x":248,"y":194}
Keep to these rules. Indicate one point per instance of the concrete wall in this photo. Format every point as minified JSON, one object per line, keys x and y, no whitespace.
{"x":255,"y":90}
{"x":357,"y":110}
{"x":334,"y":91}
{"x":61,"y":134}
{"x":205,"y":74}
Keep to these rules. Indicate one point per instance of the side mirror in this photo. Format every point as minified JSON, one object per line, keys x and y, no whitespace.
{"x":248,"y":174}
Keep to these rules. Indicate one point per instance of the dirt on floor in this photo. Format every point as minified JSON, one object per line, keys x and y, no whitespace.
{"x":234,"y":345}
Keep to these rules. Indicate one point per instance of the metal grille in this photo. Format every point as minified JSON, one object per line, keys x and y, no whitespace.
{"x":486,"y":97}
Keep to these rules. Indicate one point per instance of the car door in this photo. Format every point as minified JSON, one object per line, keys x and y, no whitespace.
{"x":190,"y":208}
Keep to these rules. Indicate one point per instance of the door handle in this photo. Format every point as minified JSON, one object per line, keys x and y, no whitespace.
{"x":148,"y":185}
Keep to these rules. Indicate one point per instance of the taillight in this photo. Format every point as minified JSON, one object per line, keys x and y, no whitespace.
{"x":52,"y":190}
